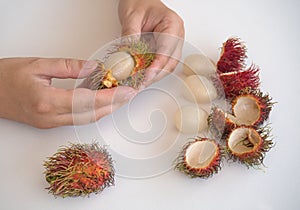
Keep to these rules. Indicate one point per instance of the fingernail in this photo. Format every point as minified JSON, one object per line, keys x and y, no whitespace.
{"x":90,"y":65}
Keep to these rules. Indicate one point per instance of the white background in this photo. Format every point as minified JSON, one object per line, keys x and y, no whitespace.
{"x":74,"y":28}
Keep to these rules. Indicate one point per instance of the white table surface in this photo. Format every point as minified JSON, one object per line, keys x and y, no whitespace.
{"x":74,"y":28}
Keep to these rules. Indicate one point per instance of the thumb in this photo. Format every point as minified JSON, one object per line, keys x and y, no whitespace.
{"x":67,"y":68}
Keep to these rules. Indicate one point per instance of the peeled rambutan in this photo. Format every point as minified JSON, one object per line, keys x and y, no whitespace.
{"x":78,"y":170}
{"x":248,"y":146}
{"x":251,"y":107}
{"x":200,"y":158}
{"x":234,"y":82}
{"x":124,"y":65}
{"x":233,"y":56}
{"x":220,"y":123}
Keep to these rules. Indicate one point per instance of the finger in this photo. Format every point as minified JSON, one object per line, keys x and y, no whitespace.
{"x":158,"y":74}
{"x":131,"y":25}
{"x":163,"y":62}
{"x":87,"y":117}
{"x":65,"y":68}
{"x":168,"y":46}
{"x":83,"y":100}
{"x":101,"y":98}
{"x":170,"y":66}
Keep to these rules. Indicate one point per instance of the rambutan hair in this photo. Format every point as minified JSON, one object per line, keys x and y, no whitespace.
{"x":233,"y":56}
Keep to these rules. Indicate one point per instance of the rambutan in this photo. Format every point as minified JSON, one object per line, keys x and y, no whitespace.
{"x":251,"y":107}
{"x":78,"y":170}
{"x":235,"y":81}
{"x":124,"y":65}
{"x":233,"y":56}
{"x":200,"y":158}
{"x":220,"y":123}
{"x":248,"y":146}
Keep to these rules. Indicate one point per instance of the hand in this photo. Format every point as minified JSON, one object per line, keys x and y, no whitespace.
{"x":138,"y":16}
{"x":27,"y":95}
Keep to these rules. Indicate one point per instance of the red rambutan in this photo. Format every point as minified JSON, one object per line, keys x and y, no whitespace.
{"x":251,"y":107}
{"x":79,"y":170}
{"x":248,"y":146}
{"x":124,"y":65}
{"x":220,"y":123}
{"x":233,"y":56}
{"x":200,"y":158}
{"x":234,"y":82}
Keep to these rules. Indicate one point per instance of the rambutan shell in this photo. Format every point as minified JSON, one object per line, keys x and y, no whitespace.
{"x":248,"y":145}
{"x":200,"y":158}
{"x":234,"y":82}
{"x":233,"y":56}
{"x":252,"y":107}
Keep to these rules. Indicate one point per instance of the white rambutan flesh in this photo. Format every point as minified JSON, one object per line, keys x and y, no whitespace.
{"x":121,"y":65}
{"x":199,"y":89}
{"x":198,"y":64}
{"x":191,"y":119}
{"x":200,"y":158}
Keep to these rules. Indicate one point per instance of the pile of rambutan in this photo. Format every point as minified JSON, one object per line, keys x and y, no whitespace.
{"x":240,"y":133}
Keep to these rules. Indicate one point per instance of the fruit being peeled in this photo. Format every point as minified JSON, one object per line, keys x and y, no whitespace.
{"x":125,"y":65}
{"x":199,"y":158}
{"x":78,"y":170}
{"x":191,"y":119}
{"x":198,"y":64}
{"x":121,"y":65}
{"x":248,"y":146}
{"x":200,"y":89}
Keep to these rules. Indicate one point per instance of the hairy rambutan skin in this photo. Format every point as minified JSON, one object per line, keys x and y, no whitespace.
{"x":234,"y":82}
{"x":220,"y":126}
{"x":206,"y":172}
{"x":233,"y":56}
{"x":255,"y":157}
{"x":141,"y":52}
{"x":79,"y":170}
{"x":263,"y":101}
{"x":143,"y":57}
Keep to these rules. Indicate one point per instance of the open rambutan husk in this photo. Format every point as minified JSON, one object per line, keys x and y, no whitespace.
{"x":142,"y":55}
{"x":233,"y":56}
{"x":79,"y":170}
{"x":220,"y":123}
{"x":234,"y":82}
{"x":247,"y":145}
{"x":200,"y":158}
{"x":251,"y":107}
